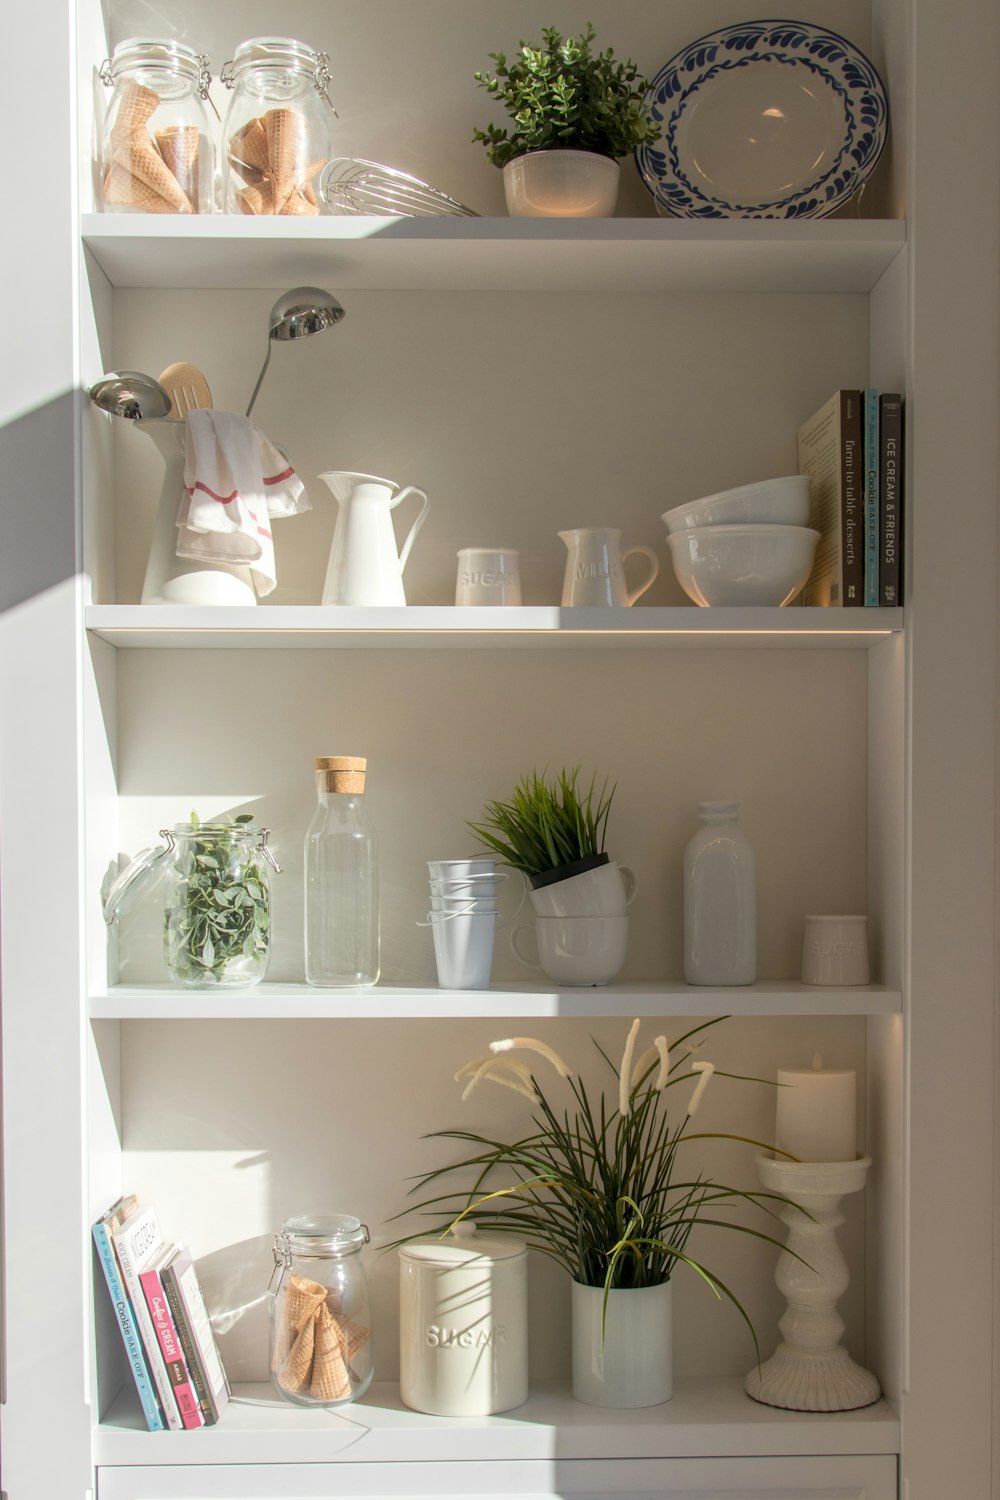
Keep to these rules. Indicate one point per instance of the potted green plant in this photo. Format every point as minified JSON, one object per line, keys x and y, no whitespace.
{"x":553,"y":831}
{"x":575,"y":112}
{"x":606,"y":1189}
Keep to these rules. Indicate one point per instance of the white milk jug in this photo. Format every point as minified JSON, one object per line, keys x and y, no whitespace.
{"x":595,"y":568}
{"x":364,"y":566}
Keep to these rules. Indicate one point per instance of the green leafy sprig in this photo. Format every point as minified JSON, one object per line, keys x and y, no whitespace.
{"x":220,"y":911}
{"x":564,"y":96}
{"x":547,"y":824}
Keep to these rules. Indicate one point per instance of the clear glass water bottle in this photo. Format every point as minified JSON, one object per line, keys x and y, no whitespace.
{"x":341,"y":877}
{"x":720,"y":900}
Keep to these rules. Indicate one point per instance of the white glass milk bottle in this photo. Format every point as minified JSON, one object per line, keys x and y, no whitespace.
{"x":341,"y":879}
{"x":720,"y":900}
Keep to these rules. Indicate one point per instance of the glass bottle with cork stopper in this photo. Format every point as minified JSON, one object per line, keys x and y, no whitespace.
{"x":341,"y":879}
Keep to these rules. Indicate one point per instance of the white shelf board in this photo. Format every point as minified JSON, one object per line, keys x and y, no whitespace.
{"x":279,"y":1001}
{"x":295,"y":626}
{"x":459,"y":254}
{"x":708,"y":1417}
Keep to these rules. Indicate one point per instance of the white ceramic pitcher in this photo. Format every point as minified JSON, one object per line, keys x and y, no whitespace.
{"x":364,"y":566}
{"x":595,"y":572}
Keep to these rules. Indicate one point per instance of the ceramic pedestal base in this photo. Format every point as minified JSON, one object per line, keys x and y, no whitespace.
{"x":811,"y":1370}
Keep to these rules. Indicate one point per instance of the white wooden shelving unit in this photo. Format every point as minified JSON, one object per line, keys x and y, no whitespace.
{"x":388,"y":1002}
{"x":866,"y":737}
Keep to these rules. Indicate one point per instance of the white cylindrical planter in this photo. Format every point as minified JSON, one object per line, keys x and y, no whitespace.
{"x":463,"y":1325}
{"x":561,"y":185}
{"x":626,"y":1358}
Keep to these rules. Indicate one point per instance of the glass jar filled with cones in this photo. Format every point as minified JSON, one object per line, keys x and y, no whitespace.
{"x":320,"y":1316}
{"x":276,"y":133}
{"x":156,"y":153}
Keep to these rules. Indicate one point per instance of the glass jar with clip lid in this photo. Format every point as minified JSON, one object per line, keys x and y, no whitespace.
{"x":319,"y":1311}
{"x":216,"y":900}
{"x":156,"y":151}
{"x":277,"y":126}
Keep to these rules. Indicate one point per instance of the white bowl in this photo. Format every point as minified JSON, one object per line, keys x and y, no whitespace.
{"x":736,"y":565}
{"x":770,"y":502}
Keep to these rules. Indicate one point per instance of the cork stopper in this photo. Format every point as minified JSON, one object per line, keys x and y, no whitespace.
{"x":341,"y":773}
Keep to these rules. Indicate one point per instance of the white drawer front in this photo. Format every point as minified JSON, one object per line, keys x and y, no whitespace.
{"x":607,"y":1479}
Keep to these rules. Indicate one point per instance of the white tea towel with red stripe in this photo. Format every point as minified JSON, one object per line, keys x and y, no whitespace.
{"x":235,"y":483}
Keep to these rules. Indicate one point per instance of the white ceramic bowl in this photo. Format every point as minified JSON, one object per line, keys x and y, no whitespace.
{"x":737,"y":565}
{"x":770,"y":502}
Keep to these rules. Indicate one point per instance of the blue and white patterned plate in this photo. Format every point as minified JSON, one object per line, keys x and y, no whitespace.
{"x":765,"y":120}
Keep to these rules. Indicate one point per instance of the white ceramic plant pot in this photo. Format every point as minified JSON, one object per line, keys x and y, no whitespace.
{"x":561,"y":185}
{"x":631,"y":1363}
{"x":604,"y":891}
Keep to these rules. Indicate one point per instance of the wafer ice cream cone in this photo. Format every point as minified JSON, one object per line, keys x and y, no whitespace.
{"x":330,"y":1380}
{"x":179,"y":146}
{"x":248,"y":152}
{"x":135,"y":105}
{"x":122,"y":190}
{"x":141,"y":158}
{"x":255,"y":200}
{"x":297,"y":1371}
{"x":353,"y":1337}
{"x":301,"y":1302}
{"x":296,"y":204}
{"x":285,"y":130}
{"x":306,"y":187}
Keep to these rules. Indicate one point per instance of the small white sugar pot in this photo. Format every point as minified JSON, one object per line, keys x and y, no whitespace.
{"x":463,"y":1325}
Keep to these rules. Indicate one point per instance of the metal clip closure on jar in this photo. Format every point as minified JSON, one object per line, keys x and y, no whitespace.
{"x":156,"y":153}
{"x":463,"y":1334}
{"x":277,"y":128}
{"x":319,"y":1311}
{"x":217,"y":901}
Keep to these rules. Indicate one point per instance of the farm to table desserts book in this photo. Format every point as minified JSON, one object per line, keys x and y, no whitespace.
{"x":831,"y":453}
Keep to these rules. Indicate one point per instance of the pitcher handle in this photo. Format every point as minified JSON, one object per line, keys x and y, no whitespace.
{"x":630,"y":883}
{"x":647,"y":582}
{"x":515,"y":933}
{"x":411,"y":489}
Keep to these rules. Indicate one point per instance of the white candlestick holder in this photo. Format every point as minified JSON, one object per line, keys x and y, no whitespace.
{"x":811,"y":1370}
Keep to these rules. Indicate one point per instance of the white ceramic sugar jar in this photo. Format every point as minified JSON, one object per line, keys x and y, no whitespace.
{"x":463,"y":1325}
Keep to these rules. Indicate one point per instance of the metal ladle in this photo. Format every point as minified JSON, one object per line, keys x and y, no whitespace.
{"x":129,"y":393}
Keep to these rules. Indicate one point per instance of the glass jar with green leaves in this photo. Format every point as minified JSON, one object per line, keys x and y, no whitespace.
{"x":217,"y":905}
{"x":216,"y":900}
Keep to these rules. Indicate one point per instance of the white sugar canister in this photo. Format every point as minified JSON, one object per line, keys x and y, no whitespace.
{"x":463,"y":1325}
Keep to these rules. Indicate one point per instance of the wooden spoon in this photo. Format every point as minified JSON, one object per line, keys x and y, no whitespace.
{"x":187,"y":388}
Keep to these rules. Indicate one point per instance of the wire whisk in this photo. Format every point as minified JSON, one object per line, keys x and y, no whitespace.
{"x":350,"y":185}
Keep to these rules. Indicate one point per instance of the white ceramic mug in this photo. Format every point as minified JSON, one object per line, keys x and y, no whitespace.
{"x":835,"y":950}
{"x":605,"y":891}
{"x":575,"y":950}
{"x":488,"y":576}
{"x":595,"y":568}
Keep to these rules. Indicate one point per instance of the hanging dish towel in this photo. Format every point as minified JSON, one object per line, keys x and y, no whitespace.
{"x":235,"y":483}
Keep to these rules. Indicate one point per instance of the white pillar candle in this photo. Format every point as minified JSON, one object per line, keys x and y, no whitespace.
{"x":816,"y":1112}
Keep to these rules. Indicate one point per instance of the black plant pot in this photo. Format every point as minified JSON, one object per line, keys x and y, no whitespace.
{"x":565,"y":872}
